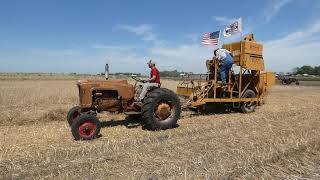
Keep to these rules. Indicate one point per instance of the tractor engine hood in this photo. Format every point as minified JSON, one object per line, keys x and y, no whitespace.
{"x":88,"y":87}
{"x":102,"y":82}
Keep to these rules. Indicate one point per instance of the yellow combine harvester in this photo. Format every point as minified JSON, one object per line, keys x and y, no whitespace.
{"x":246,"y":85}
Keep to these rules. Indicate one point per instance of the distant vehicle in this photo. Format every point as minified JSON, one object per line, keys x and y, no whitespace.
{"x":287,"y":80}
{"x":305,"y":75}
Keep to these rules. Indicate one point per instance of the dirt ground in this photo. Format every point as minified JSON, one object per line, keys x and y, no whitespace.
{"x":278,"y":141}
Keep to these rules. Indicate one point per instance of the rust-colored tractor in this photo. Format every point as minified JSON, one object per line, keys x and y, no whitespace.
{"x":159,"y":109}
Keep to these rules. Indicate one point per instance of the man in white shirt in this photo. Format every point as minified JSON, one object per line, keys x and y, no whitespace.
{"x":226,"y":60}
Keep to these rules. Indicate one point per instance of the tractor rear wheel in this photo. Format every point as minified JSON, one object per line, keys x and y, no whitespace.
{"x":72,"y":114}
{"x":161,"y":109}
{"x":248,"y":107}
{"x":135,"y":118}
{"x":85,"y":127}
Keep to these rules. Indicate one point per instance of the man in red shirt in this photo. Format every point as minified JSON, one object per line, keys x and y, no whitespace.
{"x":152,"y":82}
{"x":154,"y":73}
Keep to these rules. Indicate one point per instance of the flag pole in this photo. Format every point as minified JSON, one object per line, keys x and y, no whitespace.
{"x":219,"y":38}
{"x":241,"y":28}
{"x":240,"y":62}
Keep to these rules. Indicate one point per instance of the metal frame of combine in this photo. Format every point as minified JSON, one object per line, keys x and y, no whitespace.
{"x":244,"y":90}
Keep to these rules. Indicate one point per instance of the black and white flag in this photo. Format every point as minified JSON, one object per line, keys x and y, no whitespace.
{"x":233,"y":28}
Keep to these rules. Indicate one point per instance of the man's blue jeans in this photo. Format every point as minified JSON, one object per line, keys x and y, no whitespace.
{"x":224,"y":71}
{"x":224,"y":68}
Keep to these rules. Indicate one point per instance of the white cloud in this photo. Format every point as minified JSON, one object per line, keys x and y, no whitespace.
{"x":143,"y":30}
{"x":189,"y":57}
{"x":274,"y":8}
{"x":113,"y":47}
{"x":194,"y":37}
{"x":294,"y":50}
{"x":224,"y":20}
{"x":53,"y":52}
{"x":129,"y":62}
{"x":139,"y":30}
{"x":122,"y":58}
{"x":182,"y":57}
{"x":299,"y":36}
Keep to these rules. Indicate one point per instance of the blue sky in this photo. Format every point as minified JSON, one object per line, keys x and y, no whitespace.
{"x":81,"y":35}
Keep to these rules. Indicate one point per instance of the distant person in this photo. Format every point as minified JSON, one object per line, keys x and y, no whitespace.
{"x":226,"y":60}
{"x":153,"y":81}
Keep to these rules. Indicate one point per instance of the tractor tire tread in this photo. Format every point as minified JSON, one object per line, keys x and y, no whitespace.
{"x":152,"y":99}
{"x":71,"y":112}
{"x":79,"y":120}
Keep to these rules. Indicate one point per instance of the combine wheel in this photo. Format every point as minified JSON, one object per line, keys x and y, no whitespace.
{"x":161,"y":109}
{"x":248,"y":107}
{"x":85,"y":127}
{"x":73,"y":114}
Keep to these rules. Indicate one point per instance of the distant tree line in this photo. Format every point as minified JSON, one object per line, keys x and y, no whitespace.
{"x":307,"y":70}
{"x":173,"y":73}
{"x":123,"y":74}
{"x":164,"y":73}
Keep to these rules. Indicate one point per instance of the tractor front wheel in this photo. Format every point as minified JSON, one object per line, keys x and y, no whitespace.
{"x":72,"y":114}
{"x":161,"y":109}
{"x":85,"y":127}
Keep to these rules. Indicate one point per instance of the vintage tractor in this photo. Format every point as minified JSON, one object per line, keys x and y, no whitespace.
{"x":246,"y":86}
{"x":160,"y":108}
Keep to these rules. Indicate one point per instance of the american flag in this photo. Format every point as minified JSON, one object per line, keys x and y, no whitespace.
{"x":210,"y":38}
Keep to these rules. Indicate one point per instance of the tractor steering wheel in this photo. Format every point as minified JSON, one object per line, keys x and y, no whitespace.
{"x":138,"y":79}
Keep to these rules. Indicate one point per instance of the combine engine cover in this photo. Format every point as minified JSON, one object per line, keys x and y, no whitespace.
{"x":247,"y":53}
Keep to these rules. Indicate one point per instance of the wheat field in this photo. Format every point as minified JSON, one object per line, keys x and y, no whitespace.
{"x":278,"y":141}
